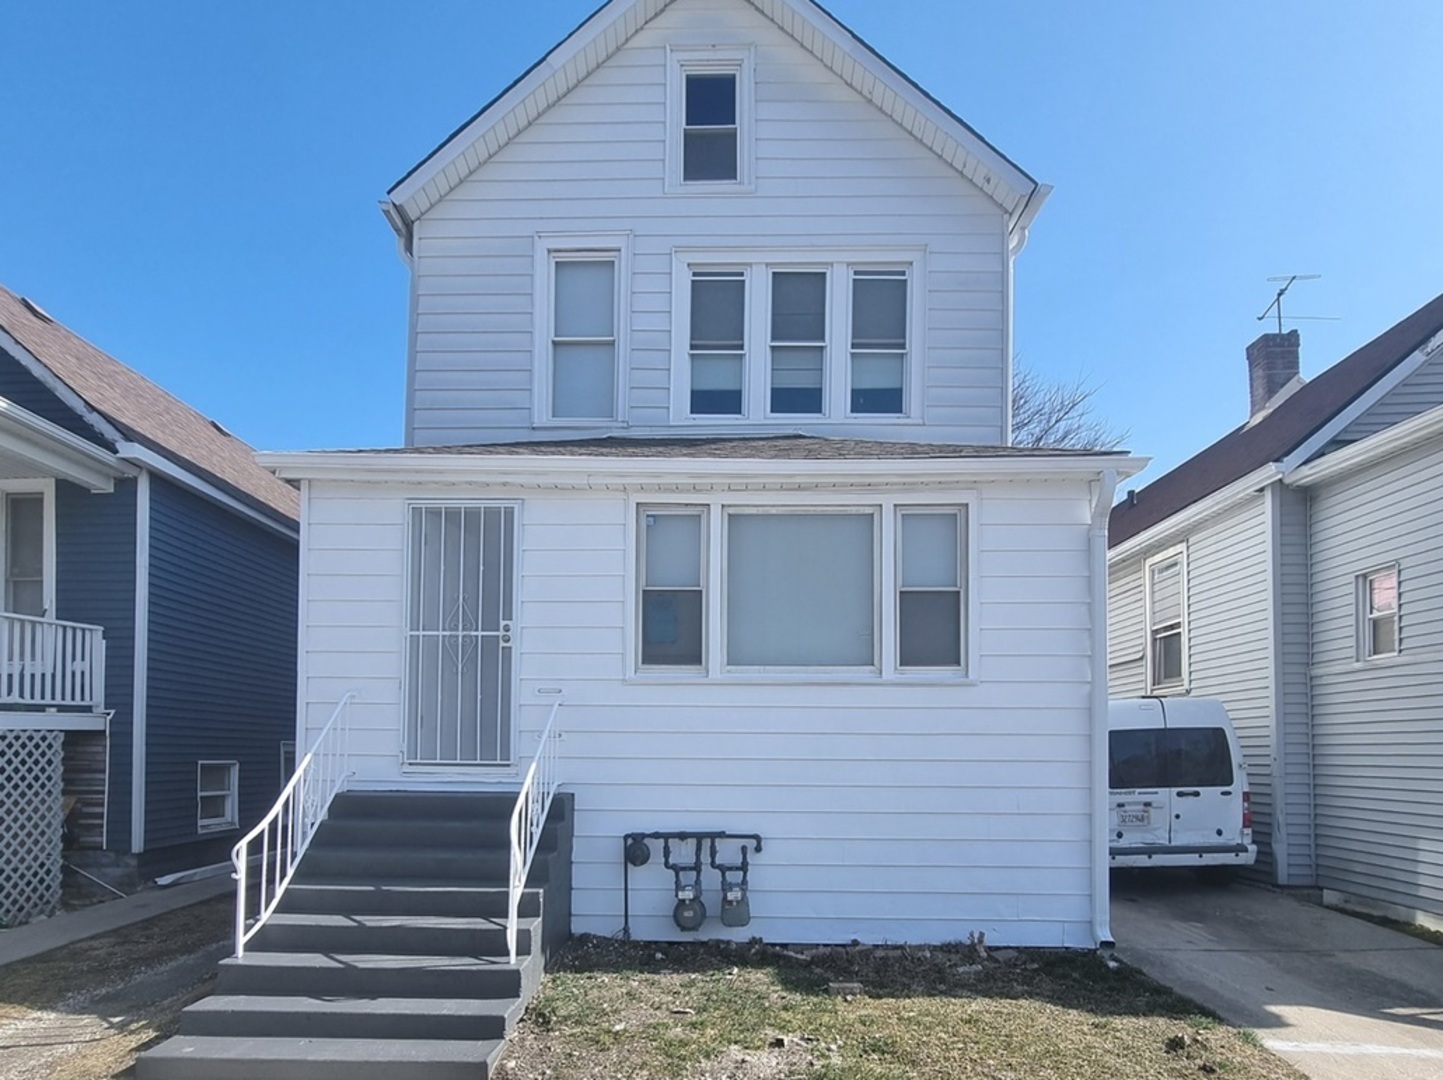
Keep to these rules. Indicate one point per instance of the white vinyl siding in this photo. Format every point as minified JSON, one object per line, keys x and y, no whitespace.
{"x":1126,"y":630}
{"x":1378,"y":743}
{"x":831,"y":171}
{"x":919,"y":808}
{"x":1292,"y":774}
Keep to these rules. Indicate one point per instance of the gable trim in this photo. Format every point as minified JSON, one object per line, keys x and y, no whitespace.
{"x":59,"y":387}
{"x":1386,"y":443}
{"x":58,"y":452}
{"x":1375,"y":393}
{"x":153,"y":462}
{"x":604,"y":33}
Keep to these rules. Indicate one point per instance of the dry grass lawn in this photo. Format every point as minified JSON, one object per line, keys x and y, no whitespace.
{"x":709,"y":1012}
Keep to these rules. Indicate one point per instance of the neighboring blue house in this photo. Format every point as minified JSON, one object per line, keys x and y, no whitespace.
{"x":148,"y":632}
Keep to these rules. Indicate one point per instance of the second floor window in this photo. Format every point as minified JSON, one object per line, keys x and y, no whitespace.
{"x":1167,"y":624}
{"x":583,"y":338}
{"x":831,"y":340}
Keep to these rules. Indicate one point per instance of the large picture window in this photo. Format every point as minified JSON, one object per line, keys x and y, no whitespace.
{"x":865,"y":590}
{"x":800,"y":590}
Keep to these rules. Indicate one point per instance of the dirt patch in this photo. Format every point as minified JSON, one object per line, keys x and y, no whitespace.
{"x":709,"y":1011}
{"x":85,"y":1011}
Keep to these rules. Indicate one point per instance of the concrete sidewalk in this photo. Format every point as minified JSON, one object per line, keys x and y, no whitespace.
{"x":68,"y":927}
{"x":1340,"y":998}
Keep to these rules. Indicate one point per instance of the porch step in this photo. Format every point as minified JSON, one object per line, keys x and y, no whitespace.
{"x":202,"y":1057}
{"x":360,"y":864}
{"x":313,"y":1017}
{"x":437,"y":806}
{"x":373,"y":975}
{"x":412,"y":935}
{"x":402,"y":897}
{"x":479,"y":834}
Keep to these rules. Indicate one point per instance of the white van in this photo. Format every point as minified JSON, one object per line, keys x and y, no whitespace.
{"x":1178,"y":786}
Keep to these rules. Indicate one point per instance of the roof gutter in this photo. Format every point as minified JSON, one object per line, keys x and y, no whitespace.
{"x":1375,"y":448}
{"x":147,"y":458}
{"x":1022,"y":221}
{"x":1208,"y":507}
{"x":1104,"y":489}
{"x":404,"y":227}
{"x":590,"y":472}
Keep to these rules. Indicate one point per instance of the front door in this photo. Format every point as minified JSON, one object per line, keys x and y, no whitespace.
{"x":459,"y":667}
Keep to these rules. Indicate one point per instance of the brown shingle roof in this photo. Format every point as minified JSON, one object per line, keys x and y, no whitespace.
{"x":1282,"y":431}
{"x":147,"y":414}
{"x":760,"y":448}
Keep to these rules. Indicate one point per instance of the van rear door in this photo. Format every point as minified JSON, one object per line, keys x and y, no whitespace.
{"x":1140,"y":805}
{"x":1207,"y":801}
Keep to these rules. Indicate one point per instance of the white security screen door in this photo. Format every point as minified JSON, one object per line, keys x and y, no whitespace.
{"x":459,"y":635}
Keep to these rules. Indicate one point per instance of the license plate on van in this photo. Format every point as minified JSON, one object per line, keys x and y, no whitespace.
{"x":1134,"y":817}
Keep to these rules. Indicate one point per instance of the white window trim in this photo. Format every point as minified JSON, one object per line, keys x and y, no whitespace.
{"x":1364,"y":618}
{"x":1178,"y":554}
{"x":720,"y":59}
{"x":886,"y":509}
{"x":758,"y":265}
{"x":551,"y":247}
{"x":33,"y":487}
{"x":232,"y":795}
{"x":964,"y":560}
{"x":705,"y":513}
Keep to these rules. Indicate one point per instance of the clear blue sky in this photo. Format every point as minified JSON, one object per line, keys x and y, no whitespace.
{"x":193,"y":186}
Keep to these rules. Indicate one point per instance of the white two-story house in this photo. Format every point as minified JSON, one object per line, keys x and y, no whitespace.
{"x":707,"y":430}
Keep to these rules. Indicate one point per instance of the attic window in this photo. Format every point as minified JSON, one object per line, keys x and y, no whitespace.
{"x":710,"y":106}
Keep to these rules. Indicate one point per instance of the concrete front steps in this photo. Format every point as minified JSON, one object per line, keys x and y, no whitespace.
{"x":387,"y":958}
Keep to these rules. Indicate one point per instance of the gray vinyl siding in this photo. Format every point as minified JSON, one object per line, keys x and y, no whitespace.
{"x":95,"y":583}
{"x":1228,"y":630}
{"x":222,"y":666}
{"x":1294,"y":724}
{"x":1378,"y":725}
{"x":1126,"y":632}
{"x":1415,"y":395}
{"x":1229,"y":643}
{"x":25,"y":390}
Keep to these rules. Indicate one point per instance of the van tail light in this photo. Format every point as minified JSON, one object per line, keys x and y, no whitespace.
{"x":1247,"y":810}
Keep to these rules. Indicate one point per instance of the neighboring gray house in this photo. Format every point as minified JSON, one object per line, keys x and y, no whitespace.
{"x":1294,"y":570}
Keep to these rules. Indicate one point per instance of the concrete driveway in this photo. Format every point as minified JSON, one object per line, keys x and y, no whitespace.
{"x":1340,"y":998}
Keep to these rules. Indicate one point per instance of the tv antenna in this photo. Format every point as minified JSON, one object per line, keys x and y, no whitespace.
{"x":1276,"y":307}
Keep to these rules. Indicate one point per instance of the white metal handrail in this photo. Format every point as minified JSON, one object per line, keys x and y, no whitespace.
{"x":533,"y":803}
{"x":284,"y":834}
{"x":51,"y":663}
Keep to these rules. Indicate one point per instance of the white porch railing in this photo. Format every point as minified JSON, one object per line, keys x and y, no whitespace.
{"x":283,"y":835}
{"x":528,"y":819}
{"x":50,"y":663}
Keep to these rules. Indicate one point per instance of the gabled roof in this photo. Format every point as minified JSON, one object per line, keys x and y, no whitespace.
{"x":142,"y":412}
{"x":1290,"y":425}
{"x":609,"y":28}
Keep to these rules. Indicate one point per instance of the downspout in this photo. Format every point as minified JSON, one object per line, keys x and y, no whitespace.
{"x":1104,"y":490}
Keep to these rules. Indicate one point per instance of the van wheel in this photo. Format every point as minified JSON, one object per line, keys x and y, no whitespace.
{"x":1216,"y":877}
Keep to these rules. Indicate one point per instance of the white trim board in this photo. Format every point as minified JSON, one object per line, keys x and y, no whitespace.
{"x":141,"y":659}
{"x":143,"y":455}
{"x":56,"y":452}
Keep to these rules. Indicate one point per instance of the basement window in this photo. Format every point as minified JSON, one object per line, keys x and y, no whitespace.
{"x":217,"y":796}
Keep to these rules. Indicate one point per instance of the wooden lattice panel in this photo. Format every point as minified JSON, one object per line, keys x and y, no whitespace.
{"x":31,"y":816}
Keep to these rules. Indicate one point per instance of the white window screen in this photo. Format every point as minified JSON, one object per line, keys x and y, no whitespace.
{"x":799,"y":341}
{"x":583,"y":372}
{"x":879,"y":341}
{"x":801,"y":590}
{"x":25,"y":554}
{"x":929,"y":600}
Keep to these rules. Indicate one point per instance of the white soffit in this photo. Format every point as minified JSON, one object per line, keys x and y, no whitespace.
{"x":602,"y":35}
{"x":33,"y":446}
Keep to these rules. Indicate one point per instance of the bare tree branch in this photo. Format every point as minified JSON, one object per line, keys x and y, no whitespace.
{"x":1058,"y":414}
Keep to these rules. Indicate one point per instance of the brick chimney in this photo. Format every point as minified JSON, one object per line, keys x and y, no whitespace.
{"x":1272,"y":364}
